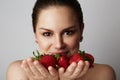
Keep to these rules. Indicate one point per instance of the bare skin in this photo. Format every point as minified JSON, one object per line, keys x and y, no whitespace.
{"x":58,"y":31}
{"x":98,"y":72}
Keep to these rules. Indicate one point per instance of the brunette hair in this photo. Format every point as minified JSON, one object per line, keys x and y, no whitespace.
{"x":42,"y":4}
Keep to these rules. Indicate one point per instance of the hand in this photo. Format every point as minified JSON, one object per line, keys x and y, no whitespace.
{"x":37,"y":71}
{"x":74,"y":71}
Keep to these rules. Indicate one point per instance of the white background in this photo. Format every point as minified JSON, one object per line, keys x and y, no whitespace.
{"x":101,"y":33}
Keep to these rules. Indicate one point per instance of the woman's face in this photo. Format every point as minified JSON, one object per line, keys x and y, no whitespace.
{"x":57,"y":30}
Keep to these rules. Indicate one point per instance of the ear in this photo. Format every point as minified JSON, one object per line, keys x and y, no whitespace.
{"x":35,"y":37}
{"x":81,"y":32}
{"x":81,"y":28}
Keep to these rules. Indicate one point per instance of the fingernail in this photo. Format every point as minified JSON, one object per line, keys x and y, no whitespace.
{"x":35,"y":62}
{"x":80,"y":62}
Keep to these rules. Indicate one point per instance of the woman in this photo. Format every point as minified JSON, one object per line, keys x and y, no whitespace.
{"x":58,"y":26}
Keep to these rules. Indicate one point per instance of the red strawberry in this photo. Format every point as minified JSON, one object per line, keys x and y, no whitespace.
{"x":63,"y":61}
{"x":46,"y":60}
{"x":76,"y":58}
{"x":89,"y":58}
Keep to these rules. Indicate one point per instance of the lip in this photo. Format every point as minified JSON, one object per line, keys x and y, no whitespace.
{"x":59,"y":52}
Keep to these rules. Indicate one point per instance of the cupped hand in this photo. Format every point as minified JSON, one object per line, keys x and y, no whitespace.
{"x":36,"y":71}
{"x":74,"y":71}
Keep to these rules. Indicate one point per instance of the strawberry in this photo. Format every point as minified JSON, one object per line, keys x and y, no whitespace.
{"x":81,"y":55}
{"x":46,"y":60}
{"x":76,"y":58}
{"x":89,"y":58}
{"x":63,"y":61}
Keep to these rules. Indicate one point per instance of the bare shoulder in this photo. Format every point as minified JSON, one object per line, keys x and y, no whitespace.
{"x":100,"y":72}
{"x":15,"y":72}
{"x":105,"y":70}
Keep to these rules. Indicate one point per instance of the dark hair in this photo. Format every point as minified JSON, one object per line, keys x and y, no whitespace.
{"x":42,"y":4}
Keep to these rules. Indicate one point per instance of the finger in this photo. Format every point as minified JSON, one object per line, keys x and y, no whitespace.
{"x":32,"y":67}
{"x":61,"y":71}
{"x":85,"y":69}
{"x":44,"y":72}
{"x":26,"y":68}
{"x":71,"y":68}
{"x":52,"y":71}
{"x":78,"y":69}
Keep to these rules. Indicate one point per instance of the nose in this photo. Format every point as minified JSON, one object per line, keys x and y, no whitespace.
{"x":59,"y":42}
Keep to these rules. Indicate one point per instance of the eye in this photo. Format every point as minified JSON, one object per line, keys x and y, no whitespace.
{"x":46,"y":34}
{"x":69,"y":32}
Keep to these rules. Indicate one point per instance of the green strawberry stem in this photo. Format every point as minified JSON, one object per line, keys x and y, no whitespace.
{"x":38,"y":52}
{"x":87,"y":59}
{"x":36,"y":57}
{"x":82,"y":53}
{"x":57,"y":56}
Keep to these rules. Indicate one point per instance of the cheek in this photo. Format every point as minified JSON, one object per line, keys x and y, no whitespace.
{"x":73,"y":43}
{"x":42,"y":43}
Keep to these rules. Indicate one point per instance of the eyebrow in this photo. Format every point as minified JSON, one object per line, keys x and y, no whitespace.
{"x":72,"y":27}
{"x":45,"y":29}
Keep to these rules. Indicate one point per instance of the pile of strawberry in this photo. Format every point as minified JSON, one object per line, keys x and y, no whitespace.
{"x":61,"y":60}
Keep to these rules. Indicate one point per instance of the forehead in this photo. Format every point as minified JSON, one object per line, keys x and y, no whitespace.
{"x":62,"y":10}
{"x":56,"y":7}
{"x":57,"y":15}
